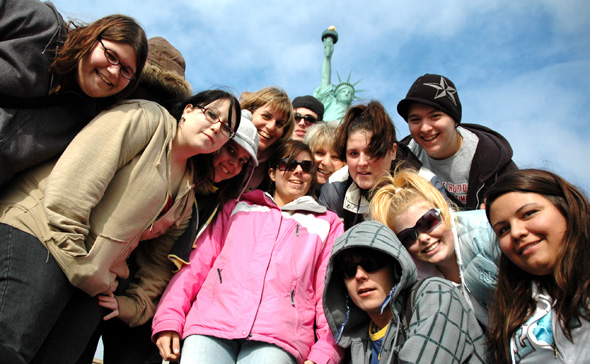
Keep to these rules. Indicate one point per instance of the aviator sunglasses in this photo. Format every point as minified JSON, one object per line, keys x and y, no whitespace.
{"x":425,"y":224}
{"x":290,"y":165}
{"x":370,"y":263}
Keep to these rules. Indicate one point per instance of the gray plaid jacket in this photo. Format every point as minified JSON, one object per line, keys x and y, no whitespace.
{"x":441,"y":327}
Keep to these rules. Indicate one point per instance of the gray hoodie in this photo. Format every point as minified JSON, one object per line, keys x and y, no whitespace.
{"x":442,"y":327}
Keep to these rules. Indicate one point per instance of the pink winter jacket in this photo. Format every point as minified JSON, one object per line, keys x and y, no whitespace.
{"x":258,"y":273}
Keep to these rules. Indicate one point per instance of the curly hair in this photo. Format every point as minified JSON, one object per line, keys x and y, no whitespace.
{"x":569,"y":285}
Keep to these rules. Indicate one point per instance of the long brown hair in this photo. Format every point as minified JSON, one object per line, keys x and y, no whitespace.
{"x":81,"y":39}
{"x":569,"y":285}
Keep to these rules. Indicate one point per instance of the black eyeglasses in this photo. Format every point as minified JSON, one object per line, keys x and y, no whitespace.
{"x":308,"y":118}
{"x":113,"y":59}
{"x":290,"y":165}
{"x":428,"y":222}
{"x":212,"y":116}
{"x":370,"y":264}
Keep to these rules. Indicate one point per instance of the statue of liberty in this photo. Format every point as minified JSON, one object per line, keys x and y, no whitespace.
{"x":336,"y":99}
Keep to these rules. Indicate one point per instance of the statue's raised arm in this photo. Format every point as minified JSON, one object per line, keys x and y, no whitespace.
{"x":336,"y":99}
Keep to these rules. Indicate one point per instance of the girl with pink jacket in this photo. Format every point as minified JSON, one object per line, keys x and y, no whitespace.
{"x":252,"y":292}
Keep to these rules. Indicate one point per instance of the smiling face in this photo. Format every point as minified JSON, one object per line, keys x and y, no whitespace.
{"x":435,"y":247}
{"x":196,"y":134}
{"x":97,"y":77}
{"x":268,"y":121}
{"x":290,"y":185}
{"x":230,"y":161}
{"x":530,"y":230}
{"x":363,"y":168}
{"x":327,"y":162}
{"x":433,"y":130}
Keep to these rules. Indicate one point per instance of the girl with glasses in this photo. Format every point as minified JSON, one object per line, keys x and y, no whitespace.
{"x":124,"y":185}
{"x":380,"y":312}
{"x":543,"y":227}
{"x":56,"y":76}
{"x":272,"y":115}
{"x":460,"y":247}
{"x":252,"y":291}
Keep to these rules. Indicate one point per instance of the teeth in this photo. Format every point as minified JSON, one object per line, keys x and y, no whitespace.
{"x":429,"y":138}
{"x":264,"y":134}
{"x":104,"y":79}
{"x":296,"y":182}
{"x":323,"y":171}
{"x":223,"y":169}
{"x":527,"y":247}
{"x":431,"y":248}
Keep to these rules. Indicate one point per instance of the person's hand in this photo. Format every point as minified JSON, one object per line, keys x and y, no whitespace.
{"x":328,"y":47}
{"x":308,"y":362}
{"x":168,"y":343}
{"x":109,"y":301}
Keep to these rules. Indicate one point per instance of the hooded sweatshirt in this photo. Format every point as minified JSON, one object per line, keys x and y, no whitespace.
{"x":442,"y":327}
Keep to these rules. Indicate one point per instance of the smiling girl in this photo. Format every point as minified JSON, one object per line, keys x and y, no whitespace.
{"x":55,"y":77}
{"x":124,"y":184}
{"x":460,"y":247}
{"x":543,"y":227}
{"x":272,"y":115}
{"x":252,"y":293}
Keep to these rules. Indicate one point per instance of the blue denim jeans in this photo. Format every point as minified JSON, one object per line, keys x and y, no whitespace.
{"x":211,"y":350}
{"x":43,"y":317}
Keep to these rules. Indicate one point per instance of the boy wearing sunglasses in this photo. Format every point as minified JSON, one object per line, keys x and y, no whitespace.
{"x":308,"y":111}
{"x":380,"y":313}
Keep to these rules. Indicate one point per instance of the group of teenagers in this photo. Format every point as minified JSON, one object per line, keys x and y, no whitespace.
{"x":207,"y":228}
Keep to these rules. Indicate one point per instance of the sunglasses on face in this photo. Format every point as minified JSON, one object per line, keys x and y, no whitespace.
{"x":308,"y":118}
{"x":370,"y":264}
{"x":425,"y":224}
{"x":290,"y":165}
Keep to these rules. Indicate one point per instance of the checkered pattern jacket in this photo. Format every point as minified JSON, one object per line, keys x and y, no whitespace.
{"x":433,"y":325}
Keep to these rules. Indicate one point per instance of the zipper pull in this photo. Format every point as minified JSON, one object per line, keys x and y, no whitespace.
{"x":219,"y":273}
{"x":293,"y":298}
{"x":297,"y":230}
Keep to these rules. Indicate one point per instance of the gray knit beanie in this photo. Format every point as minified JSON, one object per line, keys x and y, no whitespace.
{"x":247,"y":136}
{"x":436,"y":91}
{"x":311,"y":103}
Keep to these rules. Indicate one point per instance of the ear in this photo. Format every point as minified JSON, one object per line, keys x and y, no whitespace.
{"x":394,"y":151}
{"x":188,"y":108}
{"x":272,"y":173}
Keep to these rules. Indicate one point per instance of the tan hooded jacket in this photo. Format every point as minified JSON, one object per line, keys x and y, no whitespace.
{"x":103,"y":196}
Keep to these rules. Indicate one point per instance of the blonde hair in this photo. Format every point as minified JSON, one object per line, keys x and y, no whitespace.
{"x":392,"y":195}
{"x":321,"y":134}
{"x":277,"y":99}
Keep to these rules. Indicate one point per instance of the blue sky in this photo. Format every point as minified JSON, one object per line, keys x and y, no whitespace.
{"x":520,"y":67}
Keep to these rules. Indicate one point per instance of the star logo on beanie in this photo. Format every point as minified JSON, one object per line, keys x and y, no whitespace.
{"x":443,"y":89}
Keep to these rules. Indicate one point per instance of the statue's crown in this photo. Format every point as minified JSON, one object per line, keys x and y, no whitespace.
{"x":347,"y":84}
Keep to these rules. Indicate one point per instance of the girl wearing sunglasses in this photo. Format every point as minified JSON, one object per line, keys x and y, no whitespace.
{"x":543,"y":227}
{"x":380,"y":314}
{"x":252,"y":291}
{"x":56,"y":76}
{"x":124,"y":185}
{"x":460,"y":247}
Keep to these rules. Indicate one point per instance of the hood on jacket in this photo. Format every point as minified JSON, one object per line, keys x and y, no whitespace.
{"x":346,"y":320}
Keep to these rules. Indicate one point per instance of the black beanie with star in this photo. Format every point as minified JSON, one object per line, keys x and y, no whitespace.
{"x":436,"y":91}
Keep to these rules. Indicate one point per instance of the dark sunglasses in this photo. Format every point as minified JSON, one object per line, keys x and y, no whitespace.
{"x":370,"y":264}
{"x":308,"y":118}
{"x":428,"y":222}
{"x":290,"y":165}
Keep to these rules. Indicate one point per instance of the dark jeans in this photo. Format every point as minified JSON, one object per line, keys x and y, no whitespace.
{"x":43,"y":318}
